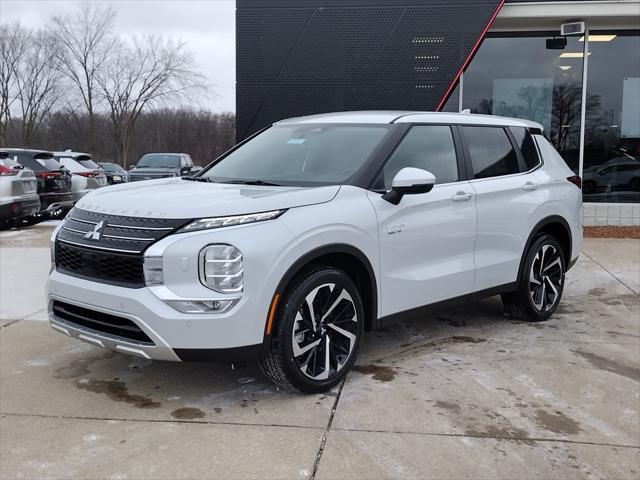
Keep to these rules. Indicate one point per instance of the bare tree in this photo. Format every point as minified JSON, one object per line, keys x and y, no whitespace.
{"x":38,"y":82}
{"x":13,"y":43}
{"x":145,"y":72}
{"x":86,"y":38}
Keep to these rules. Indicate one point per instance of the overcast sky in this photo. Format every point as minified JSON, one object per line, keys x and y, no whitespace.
{"x":206,"y":26}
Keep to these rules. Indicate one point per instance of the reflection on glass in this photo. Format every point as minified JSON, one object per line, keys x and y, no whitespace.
{"x":612,"y":136}
{"x":517,"y":76}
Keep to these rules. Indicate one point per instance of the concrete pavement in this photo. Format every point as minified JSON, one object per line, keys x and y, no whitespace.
{"x":466,"y":393}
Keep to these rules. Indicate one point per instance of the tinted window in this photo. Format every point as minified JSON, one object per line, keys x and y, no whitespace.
{"x":86,"y":162}
{"x":430,"y":148}
{"x":159,"y":160}
{"x":301,"y":154}
{"x":527,"y":146}
{"x":491,"y":152}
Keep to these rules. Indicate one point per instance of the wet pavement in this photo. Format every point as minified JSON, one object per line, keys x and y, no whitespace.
{"x":465,"y":393}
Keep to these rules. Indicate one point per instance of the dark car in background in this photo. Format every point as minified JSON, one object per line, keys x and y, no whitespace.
{"x":114,"y":172}
{"x":161,"y":165}
{"x":18,"y":192}
{"x":54,"y":181}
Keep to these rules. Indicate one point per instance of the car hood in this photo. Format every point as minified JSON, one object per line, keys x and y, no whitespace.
{"x":178,"y":198}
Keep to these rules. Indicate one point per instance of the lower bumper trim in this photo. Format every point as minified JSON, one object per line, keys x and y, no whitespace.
{"x":222,"y":355}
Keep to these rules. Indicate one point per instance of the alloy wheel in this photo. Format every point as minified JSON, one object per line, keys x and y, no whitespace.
{"x":324,"y":331}
{"x":545,"y":278}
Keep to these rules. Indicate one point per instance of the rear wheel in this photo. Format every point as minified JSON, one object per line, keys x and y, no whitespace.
{"x":540,"y":284}
{"x":318,"y":331}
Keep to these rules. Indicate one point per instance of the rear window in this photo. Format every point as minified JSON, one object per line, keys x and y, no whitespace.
{"x":87,"y":162}
{"x":7,"y":162}
{"x":47,"y":161}
{"x":527,"y":146}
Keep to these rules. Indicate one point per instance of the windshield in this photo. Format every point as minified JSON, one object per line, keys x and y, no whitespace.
{"x":306,"y":155}
{"x":158,"y":161}
{"x":112,"y":167}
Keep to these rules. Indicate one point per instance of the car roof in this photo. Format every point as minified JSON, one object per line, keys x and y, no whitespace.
{"x":30,"y":151}
{"x":388,"y":117}
{"x":164,"y":153}
{"x":69,"y":153}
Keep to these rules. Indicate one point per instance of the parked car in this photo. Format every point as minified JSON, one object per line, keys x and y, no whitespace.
{"x":195,"y":170}
{"x":161,"y":165}
{"x":86,"y":175}
{"x":54,"y":181}
{"x":114,"y":172}
{"x":291,"y":245}
{"x":615,"y":175}
{"x":18,"y":192}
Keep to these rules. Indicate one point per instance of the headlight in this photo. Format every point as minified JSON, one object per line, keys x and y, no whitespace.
{"x":218,"y":222}
{"x":221,"y":268}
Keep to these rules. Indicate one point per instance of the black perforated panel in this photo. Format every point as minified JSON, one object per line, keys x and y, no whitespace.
{"x":303,"y":57}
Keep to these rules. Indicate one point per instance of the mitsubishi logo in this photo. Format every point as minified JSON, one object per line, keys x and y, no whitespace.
{"x":95,"y":233}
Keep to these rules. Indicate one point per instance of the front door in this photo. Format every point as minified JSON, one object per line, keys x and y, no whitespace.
{"x":427,"y":240}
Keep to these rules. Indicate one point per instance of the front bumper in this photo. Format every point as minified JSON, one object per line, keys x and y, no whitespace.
{"x":174,"y":336}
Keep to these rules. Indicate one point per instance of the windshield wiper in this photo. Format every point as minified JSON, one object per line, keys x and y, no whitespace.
{"x":252,"y":182}
{"x":197,"y":179}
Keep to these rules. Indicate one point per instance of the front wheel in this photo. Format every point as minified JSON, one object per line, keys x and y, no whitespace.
{"x":318,"y":331}
{"x":540,"y":284}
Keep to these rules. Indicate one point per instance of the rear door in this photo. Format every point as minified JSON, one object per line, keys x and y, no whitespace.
{"x":506,"y":197}
{"x":427,"y":240}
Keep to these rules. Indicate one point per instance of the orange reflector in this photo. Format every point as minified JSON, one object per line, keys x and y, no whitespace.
{"x":272,"y":312}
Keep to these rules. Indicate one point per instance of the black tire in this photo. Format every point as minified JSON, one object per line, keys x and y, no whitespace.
{"x":538,"y":295}
{"x":6,"y":224}
{"x":288,"y":371}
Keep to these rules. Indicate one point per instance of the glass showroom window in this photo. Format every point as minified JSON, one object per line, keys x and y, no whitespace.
{"x":612,"y":133}
{"x":517,"y":76}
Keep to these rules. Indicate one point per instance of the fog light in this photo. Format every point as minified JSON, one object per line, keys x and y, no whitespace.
{"x":153,"y":271}
{"x":202,"y":306}
{"x":221,"y":268}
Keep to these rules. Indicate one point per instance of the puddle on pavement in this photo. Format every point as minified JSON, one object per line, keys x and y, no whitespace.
{"x":557,"y":422}
{"x":506,"y":431}
{"x":450,"y":406}
{"x":609,"y":365}
{"x":80,"y":367}
{"x":378,"y":372}
{"x":117,"y":391}
{"x":187,"y":413}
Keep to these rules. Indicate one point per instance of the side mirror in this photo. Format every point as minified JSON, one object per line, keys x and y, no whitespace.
{"x":185,"y":170}
{"x":409,"y":181}
{"x":131,"y":167}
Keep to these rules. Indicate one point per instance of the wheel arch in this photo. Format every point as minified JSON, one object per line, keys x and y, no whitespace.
{"x":347,"y":258}
{"x":556,"y":226}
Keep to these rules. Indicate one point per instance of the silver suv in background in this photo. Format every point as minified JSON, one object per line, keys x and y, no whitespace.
{"x":161,"y":165}
{"x":18,"y":192}
{"x":86,"y":175}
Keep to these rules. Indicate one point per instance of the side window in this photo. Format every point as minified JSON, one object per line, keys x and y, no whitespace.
{"x":491,"y":152}
{"x":527,"y":146}
{"x":429,"y":147}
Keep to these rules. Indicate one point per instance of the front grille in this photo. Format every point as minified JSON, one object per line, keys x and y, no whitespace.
{"x":100,"y":322}
{"x":107,"y":267}
{"x":134,"y":177}
{"x":108,"y":248}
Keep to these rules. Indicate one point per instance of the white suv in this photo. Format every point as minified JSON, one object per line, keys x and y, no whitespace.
{"x":291,"y":245}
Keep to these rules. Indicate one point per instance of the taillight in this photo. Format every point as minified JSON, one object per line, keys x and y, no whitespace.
{"x":576,"y":180}
{"x":87,"y":174}
{"x":46,"y":175}
{"x":8,"y":171}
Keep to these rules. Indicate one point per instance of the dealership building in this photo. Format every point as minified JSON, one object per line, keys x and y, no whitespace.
{"x":300,"y":57}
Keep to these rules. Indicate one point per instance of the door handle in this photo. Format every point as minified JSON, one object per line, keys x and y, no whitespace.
{"x":529,"y":186}
{"x":461,"y":197}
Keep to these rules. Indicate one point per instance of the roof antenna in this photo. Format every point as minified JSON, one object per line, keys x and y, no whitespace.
{"x":466,"y":111}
